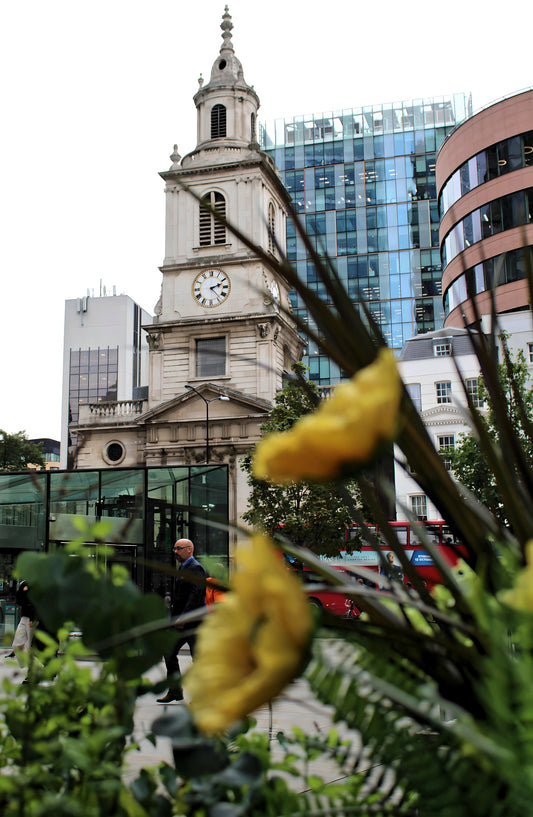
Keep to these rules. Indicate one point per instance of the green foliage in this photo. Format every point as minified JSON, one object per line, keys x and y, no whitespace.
{"x":438,"y":685}
{"x":469,"y":461}
{"x":236,"y":774}
{"x":65,"y":732}
{"x":17,"y":452}
{"x":68,"y":585}
{"x":443,"y":760}
{"x":63,"y":736}
{"x":312,"y":515}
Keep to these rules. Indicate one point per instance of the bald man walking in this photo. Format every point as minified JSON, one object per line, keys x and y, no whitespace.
{"x":186,"y":596}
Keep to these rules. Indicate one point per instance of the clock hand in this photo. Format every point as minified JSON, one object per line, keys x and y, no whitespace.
{"x":212,"y":288}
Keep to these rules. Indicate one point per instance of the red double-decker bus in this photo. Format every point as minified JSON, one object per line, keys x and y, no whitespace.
{"x":408,"y":536}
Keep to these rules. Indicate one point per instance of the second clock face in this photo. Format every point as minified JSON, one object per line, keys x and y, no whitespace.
{"x":211,"y":287}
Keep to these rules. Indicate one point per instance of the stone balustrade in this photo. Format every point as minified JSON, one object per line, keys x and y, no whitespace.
{"x":117,"y":411}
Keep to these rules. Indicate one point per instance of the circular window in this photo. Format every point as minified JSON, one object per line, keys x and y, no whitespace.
{"x":114,"y":453}
{"x":222,"y":65}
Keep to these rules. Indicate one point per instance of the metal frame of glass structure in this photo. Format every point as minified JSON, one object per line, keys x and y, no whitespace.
{"x":147,"y":510}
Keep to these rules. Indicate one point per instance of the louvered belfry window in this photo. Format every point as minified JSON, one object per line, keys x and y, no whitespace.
{"x":218,"y":121}
{"x":212,"y":231}
{"x":271,"y":228}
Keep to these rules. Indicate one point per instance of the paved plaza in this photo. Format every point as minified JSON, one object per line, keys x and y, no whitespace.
{"x":296,"y":707}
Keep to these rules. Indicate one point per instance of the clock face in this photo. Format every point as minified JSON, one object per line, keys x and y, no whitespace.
{"x":211,"y":287}
{"x":274,"y":289}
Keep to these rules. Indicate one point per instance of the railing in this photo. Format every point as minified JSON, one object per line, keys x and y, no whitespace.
{"x":119,"y":408}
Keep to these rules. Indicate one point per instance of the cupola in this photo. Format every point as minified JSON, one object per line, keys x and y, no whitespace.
{"x":227,"y":107}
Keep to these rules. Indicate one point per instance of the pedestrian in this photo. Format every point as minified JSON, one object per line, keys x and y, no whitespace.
{"x":27,"y":623}
{"x":186,"y":597}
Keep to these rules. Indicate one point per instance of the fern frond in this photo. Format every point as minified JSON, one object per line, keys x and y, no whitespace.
{"x":447,"y":768}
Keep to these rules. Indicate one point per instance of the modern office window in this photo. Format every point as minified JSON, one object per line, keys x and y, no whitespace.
{"x":93,"y":377}
{"x":444,"y":391}
{"x":446,"y":445}
{"x":210,"y":357}
{"x":212,"y":231}
{"x":419,"y":506}
{"x":218,"y":121}
{"x":414,"y":391}
{"x":472,"y":387}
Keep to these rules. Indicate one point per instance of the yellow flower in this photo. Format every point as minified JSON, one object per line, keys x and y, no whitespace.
{"x":347,"y":428}
{"x":521,"y":595}
{"x":252,"y":643}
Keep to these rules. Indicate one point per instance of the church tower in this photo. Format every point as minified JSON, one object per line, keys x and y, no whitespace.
{"x":221,"y":327}
{"x":219,"y":318}
{"x":222,"y":340}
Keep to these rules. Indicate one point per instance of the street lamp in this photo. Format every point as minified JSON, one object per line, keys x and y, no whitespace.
{"x":206,"y":401}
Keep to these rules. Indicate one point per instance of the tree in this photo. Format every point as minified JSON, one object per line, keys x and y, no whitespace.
{"x":468,"y":460}
{"x":313,"y":515}
{"x":17,"y":452}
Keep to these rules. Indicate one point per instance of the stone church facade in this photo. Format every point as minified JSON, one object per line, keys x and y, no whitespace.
{"x":221,"y":327}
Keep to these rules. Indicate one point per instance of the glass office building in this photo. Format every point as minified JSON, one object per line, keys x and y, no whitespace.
{"x":147,"y":509}
{"x":363,"y":182}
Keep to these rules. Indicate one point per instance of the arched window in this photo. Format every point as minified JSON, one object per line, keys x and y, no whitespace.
{"x":252,"y":128}
{"x":218,"y":121}
{"x":212,"y":231}
{"x":271,"y":228}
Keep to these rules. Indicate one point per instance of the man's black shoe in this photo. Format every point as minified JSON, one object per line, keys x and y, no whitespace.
{"x":169,"y":697}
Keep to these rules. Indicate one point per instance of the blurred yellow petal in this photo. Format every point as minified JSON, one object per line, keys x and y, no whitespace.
{"x":521,"y":595}
{"x":346,"y":428}
{"x":253,"y":642}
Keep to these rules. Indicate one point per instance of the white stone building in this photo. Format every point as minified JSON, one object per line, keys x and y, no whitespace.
{"x":432,"y":366}
{"x":221,"y":327}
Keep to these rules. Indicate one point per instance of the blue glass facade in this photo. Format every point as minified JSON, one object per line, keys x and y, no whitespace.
{"x":363,"y":182}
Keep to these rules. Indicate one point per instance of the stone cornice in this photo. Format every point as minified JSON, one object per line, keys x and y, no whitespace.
{"x":259,"y":317}
{"x":263,"y":162}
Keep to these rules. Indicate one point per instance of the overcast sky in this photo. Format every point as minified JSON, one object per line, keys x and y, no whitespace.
{"x":94,"y":95}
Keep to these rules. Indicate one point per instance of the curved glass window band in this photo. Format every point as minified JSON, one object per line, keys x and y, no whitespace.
{"x":497,"y":160}
{"x":501,"y":269}
{"x":513,"y":210}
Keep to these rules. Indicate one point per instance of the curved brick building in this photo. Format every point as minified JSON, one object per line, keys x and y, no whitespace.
{"x":485,"y":187}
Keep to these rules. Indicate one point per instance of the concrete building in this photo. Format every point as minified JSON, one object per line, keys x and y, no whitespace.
{"x":220,"y":345}
{"x":485,"y":187}
{"x":363,"y":182}
{"x":105,"y":358}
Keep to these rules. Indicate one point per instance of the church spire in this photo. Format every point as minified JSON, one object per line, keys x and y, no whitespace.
{"x":227,"y":106}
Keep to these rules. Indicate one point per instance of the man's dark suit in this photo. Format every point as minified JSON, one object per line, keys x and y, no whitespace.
{"x":186,"y":597}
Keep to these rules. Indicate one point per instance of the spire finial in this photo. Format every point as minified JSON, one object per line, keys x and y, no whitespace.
{"x":226,"y":25}
{"x":175,"y":157}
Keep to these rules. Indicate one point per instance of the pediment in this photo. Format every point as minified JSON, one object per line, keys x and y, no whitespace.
{"x":190,"y":406}
{"x":443,"y":414}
